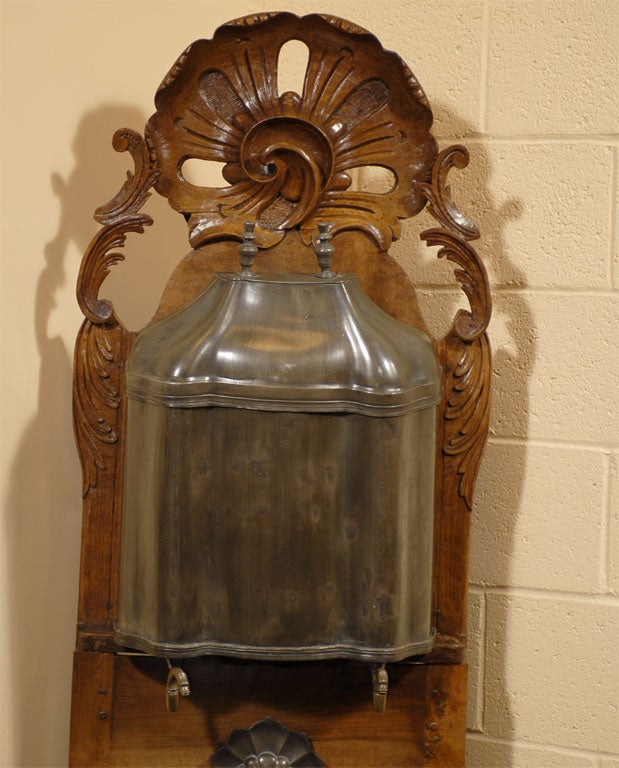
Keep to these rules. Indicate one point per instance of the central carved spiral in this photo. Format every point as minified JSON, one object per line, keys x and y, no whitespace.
{"x":294,"y":158}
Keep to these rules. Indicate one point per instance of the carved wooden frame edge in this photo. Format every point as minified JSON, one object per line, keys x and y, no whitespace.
{"x":96,"y":371}
{"x":463,"y":417}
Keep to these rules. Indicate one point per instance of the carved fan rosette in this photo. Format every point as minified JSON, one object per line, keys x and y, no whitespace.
{"x":287,"y":157}
{"x":286,"y":160}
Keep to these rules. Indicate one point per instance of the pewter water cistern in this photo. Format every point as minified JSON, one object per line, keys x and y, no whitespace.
{"x":279,"y":477}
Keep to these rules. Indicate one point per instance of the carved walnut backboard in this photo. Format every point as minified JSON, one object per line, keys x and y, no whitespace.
{"x":288,"y":161}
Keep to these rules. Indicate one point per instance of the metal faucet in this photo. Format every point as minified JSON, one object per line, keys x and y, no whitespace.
{"x":380,"y":686}
{"x":177,"y":685}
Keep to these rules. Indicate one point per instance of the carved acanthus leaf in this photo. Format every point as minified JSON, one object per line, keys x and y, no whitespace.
{"x":98,"y":260}
{"x":119,"y":217}
{"x":438,"y":193}
{"x":96,"y":398}
{"x":471,"y":275}
{"x":467,"y":404}
{"x":452,"y":238}
{"x":465,"y":349}
{"x":135,"y":191}
{"x":97,"y":353}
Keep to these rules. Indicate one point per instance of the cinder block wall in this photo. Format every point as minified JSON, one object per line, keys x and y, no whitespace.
{"x":533,"y":92}
{"x":531,"y":88}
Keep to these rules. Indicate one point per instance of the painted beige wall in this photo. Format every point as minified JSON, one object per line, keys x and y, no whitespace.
{"x":529,"y":85}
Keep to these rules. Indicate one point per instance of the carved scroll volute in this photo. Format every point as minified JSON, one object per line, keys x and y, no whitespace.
{"x":98,"y":361}
{"x":287,"y":157}
{"x":463,"y":419}
{"x":467,"y":384}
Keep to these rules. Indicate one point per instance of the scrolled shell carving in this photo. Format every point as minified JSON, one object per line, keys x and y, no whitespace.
{"x":248,"y":21}
{"x":347,"y":26}
{"x":287,"y":157}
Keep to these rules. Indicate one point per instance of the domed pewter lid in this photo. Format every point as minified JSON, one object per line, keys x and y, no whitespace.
{"x":284,"y":342}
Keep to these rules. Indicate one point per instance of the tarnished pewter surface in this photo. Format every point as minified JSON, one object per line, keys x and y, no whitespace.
{"x":285,"y":342}
{"x":277,"y":535}
{"x":298,"y":523}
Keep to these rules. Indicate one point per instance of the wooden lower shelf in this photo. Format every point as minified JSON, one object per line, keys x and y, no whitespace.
{"x":121,"y":718}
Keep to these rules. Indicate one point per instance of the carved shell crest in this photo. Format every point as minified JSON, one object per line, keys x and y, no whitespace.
{"x":287,"y":158}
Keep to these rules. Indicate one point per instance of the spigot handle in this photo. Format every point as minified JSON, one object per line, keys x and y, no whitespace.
{"x":324,"y":250}
{"x":380,"y":687}
{"x":177,"y":685}
{"x":247,"y":249}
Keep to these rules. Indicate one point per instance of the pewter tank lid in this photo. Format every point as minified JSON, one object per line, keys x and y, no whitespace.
{"x":284,"y":342}
{"x":289,"y":342}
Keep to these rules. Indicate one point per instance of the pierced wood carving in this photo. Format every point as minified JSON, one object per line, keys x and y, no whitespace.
{"x":97,"y":358}
{"x":465,"y":350}
{"x":287,"y":157}
{"x":463,"y":417}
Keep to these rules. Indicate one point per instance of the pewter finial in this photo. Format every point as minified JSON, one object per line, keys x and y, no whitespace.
{"x":247,"y":249}
{"x":324,"y":250}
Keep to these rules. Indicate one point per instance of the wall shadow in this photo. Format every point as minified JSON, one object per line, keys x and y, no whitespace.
{"x":512,"y":334}
{"x":43,"y":525}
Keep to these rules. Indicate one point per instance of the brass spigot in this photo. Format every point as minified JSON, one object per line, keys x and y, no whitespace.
{"x":177,"y":685}
{"x":380,"y":686}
